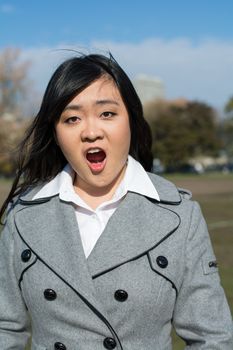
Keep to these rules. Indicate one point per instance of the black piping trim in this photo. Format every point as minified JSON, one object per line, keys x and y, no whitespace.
{"x":36,"y":201}
{"x":163,"y":201}
{"x":171,"y":203}
{"x":159,"y":273}
{"x":96,"y":312}
{"x":23,"y":272}
{"x":145,"y":252}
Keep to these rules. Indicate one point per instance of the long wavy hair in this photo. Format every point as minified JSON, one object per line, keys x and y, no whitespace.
{"x":39,"y":157}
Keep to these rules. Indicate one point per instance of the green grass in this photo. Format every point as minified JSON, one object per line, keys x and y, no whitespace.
{"x":215,"y":195}
{"x":203,"y":177}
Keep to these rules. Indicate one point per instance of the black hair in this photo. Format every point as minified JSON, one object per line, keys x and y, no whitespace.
{"x":40,"y":159}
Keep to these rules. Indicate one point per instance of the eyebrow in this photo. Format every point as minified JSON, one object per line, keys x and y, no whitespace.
{"x":98,"y":102}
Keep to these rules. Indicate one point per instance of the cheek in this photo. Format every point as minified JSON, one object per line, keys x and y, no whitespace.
{"x":63,"y":135}
{"x":65,"y":141}
{"x":59,"y":135}
{"x":122,"y":130}
{"x":125,"y":136}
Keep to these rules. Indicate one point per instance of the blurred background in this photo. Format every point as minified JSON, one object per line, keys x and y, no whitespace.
{"x":179,"y":56}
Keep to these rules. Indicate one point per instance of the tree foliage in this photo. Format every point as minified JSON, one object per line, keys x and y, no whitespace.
{"x":227,"y":128}
{"x":229,"y":106}
{"x":181,"y":131}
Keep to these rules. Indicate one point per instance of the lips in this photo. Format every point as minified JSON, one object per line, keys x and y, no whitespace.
{"x":96,"y":158}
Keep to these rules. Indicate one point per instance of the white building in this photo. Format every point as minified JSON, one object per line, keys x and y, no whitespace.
{"x":149,"y":88}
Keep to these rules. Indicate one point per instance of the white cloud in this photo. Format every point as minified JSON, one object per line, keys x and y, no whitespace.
{"x":202,"y":70}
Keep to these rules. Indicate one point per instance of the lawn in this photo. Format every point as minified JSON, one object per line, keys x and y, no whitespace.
{"x":215,"y":194}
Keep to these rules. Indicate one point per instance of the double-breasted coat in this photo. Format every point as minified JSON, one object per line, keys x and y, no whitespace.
{"x":152,"y":267}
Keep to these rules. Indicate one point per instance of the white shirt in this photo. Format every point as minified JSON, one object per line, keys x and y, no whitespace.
{"x":91,"y":222}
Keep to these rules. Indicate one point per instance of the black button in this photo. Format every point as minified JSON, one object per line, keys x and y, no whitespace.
{"x":213,"y":264}
{"x":26,"y":255}
{"x":121,"y":295}
{"x":162,"y":261}
{"x":50,"y":294}
{"x":59,"y":346}
{"x":109,"y":343}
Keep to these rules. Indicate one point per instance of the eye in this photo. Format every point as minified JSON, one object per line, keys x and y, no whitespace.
{"x":72,"y":120}
{"x":108,"y":114}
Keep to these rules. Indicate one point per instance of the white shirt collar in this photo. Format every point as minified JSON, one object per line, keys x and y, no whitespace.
{"x":62,"y":184}
{"x":137,"y":180}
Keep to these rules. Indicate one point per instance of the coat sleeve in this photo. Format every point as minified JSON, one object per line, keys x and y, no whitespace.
{"x":202,"y":316}
{"x":14,"y":320}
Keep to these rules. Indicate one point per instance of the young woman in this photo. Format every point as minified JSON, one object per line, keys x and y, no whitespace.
{"x":96,"y":252}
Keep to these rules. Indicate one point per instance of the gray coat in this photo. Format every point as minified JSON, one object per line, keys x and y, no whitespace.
{"x":153,"y":267}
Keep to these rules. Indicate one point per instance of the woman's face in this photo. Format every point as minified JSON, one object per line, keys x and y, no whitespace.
{"x":94,"y":135}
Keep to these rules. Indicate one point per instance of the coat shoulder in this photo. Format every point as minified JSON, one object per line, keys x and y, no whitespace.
{"x":26,"y":197}
{"x":168,"y":191}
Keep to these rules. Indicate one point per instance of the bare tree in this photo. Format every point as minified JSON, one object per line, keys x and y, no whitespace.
{"x":13,"y":92}
{"x":13,"y":81}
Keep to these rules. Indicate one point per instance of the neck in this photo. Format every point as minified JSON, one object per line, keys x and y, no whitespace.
{"x":94,"y":196}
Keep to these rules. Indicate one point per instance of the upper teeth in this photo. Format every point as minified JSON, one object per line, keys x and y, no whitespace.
{"x":94,"y":150}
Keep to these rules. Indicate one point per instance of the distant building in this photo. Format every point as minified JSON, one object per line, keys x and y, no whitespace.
{"x":149,"y":88}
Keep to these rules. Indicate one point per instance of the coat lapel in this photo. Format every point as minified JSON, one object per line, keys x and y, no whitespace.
{"x":137,"y":226}
{"x":50,"y":230}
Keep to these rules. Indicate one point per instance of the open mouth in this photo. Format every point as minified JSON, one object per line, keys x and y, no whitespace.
{"x":96,"y":159}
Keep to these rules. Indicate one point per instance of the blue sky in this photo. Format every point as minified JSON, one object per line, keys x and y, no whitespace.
{"x":187,"y":44}
{"x":44,"y":22}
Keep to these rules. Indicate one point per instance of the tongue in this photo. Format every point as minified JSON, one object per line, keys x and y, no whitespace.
{"x":96,"y":157}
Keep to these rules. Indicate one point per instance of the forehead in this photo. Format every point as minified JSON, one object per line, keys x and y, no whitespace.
{"x":103,"y":88}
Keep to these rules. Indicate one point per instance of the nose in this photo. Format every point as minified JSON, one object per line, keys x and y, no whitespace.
{"x":91,"y":132}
